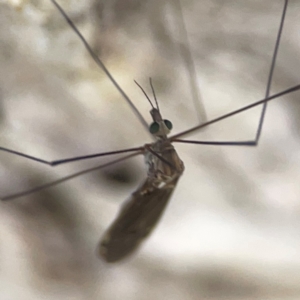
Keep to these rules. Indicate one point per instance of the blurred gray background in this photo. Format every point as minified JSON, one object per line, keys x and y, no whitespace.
{"x":231,"y":230}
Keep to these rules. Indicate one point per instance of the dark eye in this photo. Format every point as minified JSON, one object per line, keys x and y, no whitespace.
{"x":168,"y":124}
{"x":154,"y":127}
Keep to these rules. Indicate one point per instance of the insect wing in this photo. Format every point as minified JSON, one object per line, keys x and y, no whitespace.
{"x":136,"y":220}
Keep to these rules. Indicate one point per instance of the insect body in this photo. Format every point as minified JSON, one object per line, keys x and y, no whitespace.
{"x":143,"y":209}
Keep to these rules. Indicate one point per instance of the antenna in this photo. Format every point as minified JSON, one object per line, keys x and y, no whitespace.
{"x":153,"y":92}
{"x":145,"y":94}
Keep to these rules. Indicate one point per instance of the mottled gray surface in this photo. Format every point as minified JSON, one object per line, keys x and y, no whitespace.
{"x":231,"y":230}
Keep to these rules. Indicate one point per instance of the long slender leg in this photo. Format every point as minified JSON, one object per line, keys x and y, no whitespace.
{"x":174,"y":138}
{"x":103,"y":67}
{"x":187,"y":57}
{"x":64,"y":179}
{"x":264,"y":104}
{"x":71,"y":159}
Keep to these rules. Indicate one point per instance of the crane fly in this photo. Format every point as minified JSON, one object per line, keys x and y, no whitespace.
{"x":141,"y":212}
{"x":143,"y":209}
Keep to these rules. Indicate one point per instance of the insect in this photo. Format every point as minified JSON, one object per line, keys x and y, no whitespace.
{"x":142,"y":211}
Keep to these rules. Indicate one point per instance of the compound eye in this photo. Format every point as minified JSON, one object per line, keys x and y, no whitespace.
{"x":154,"y":128}
{"x":168,"y":124}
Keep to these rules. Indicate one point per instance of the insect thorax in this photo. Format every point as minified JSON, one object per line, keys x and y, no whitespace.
{"x":161,"y":171}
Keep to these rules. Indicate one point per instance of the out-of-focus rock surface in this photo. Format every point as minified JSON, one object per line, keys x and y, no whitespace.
{"x":231,"y":230}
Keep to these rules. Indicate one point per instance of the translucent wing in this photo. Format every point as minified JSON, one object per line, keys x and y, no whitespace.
{"x":135,"y":221}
